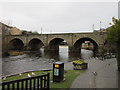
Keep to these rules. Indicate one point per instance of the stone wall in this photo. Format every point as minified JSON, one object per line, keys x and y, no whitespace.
{"x":51,"y":41}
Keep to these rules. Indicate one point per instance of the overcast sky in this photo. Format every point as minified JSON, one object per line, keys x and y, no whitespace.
{"x":58,"y":17}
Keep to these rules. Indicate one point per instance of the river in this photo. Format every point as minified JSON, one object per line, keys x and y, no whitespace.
{"x":38,"y":61}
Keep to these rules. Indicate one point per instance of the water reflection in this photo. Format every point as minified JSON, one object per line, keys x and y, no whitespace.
{"x":86,"y":54}
{"x":39,"y":60}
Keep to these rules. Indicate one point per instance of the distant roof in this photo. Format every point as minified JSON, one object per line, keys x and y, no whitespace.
{"x":6,"y":25}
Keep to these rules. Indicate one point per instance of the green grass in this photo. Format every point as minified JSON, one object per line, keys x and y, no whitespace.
{"x":24,"y":75}
{"x":69,"y":75}
{"x":69,"y":78}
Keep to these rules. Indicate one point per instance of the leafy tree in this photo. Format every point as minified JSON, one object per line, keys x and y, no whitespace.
{"x":30,"y":32}
{"x":114,"y":37}
{"x":35,"y":32}
{"x":24,"y":32}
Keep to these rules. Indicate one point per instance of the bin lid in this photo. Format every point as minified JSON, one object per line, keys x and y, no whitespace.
{"x":58,"y":63}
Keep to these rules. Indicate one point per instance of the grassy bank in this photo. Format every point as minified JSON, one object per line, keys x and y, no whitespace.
{"x":69,"y":75}
{"x":69,"y":78}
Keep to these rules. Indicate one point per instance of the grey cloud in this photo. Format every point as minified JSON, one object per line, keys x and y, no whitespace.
{"x":59,"y":16}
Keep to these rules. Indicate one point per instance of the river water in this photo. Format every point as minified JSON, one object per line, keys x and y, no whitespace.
{"x":39,"y":60}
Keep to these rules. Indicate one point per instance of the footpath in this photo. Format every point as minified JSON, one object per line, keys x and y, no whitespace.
{"x":106,"y":77}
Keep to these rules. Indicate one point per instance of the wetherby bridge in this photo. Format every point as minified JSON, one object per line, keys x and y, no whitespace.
{"x":51,"y":41}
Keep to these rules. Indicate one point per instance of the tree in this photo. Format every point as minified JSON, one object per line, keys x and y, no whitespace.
{"x":114,"y":37}
{"x":35,"y":32}
{"x":24,"y":32}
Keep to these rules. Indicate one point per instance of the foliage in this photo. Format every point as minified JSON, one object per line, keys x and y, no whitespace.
{"x":78,"y":62}
{"x":35,"y":32}
{"x":114,"y":36}
{"x":114,"y":31}
{"x":24,"y":32}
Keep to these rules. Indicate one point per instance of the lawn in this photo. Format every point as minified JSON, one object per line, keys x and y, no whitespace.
{"x":69,"y":76}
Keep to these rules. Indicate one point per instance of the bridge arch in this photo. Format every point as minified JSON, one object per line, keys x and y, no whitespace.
{"x":54,"y":44}
{"x":16,"y":44}
{"x":35,"y":44}
{"x":77,"y":45}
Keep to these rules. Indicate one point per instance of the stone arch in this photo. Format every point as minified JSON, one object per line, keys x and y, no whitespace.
{"x":78,"y":43}
{"x":54,"y":44}
{"x":64,"y":38}
{"x":10,"y":38}
{"x":35,"y":44}
{"x":16,"y":44}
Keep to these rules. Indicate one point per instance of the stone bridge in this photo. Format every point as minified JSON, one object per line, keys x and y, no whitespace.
{"x":51,"y":41}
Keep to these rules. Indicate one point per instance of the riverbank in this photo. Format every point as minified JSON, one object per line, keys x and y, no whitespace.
{"x":39,"y":61}
{"x":107,"y":74}
{"x":69,"y":77}
{"x":15,"y":53}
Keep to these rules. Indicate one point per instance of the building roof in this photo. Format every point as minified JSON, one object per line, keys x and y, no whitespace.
{"x":6,"y":25}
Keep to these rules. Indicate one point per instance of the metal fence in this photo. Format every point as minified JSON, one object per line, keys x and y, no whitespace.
{"x":31,"y":83}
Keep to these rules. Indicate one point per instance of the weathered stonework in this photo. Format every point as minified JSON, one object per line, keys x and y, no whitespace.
{"x":52,"y":41}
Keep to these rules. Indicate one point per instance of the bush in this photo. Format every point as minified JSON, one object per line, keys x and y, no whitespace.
{"x":78,"y":62}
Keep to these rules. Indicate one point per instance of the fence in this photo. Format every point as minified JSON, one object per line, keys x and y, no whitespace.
{"x":31,"y":83}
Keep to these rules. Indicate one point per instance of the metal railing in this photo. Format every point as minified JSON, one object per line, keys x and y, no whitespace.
{"x":31,"y":83}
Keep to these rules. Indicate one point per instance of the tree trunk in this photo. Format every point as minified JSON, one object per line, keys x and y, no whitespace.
{"x":118,"y":55}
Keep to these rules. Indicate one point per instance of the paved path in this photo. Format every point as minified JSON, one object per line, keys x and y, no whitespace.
{"x":107,"y":75}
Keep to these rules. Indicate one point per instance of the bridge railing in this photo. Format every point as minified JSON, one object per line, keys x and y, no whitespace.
{"x":31,"y":83}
